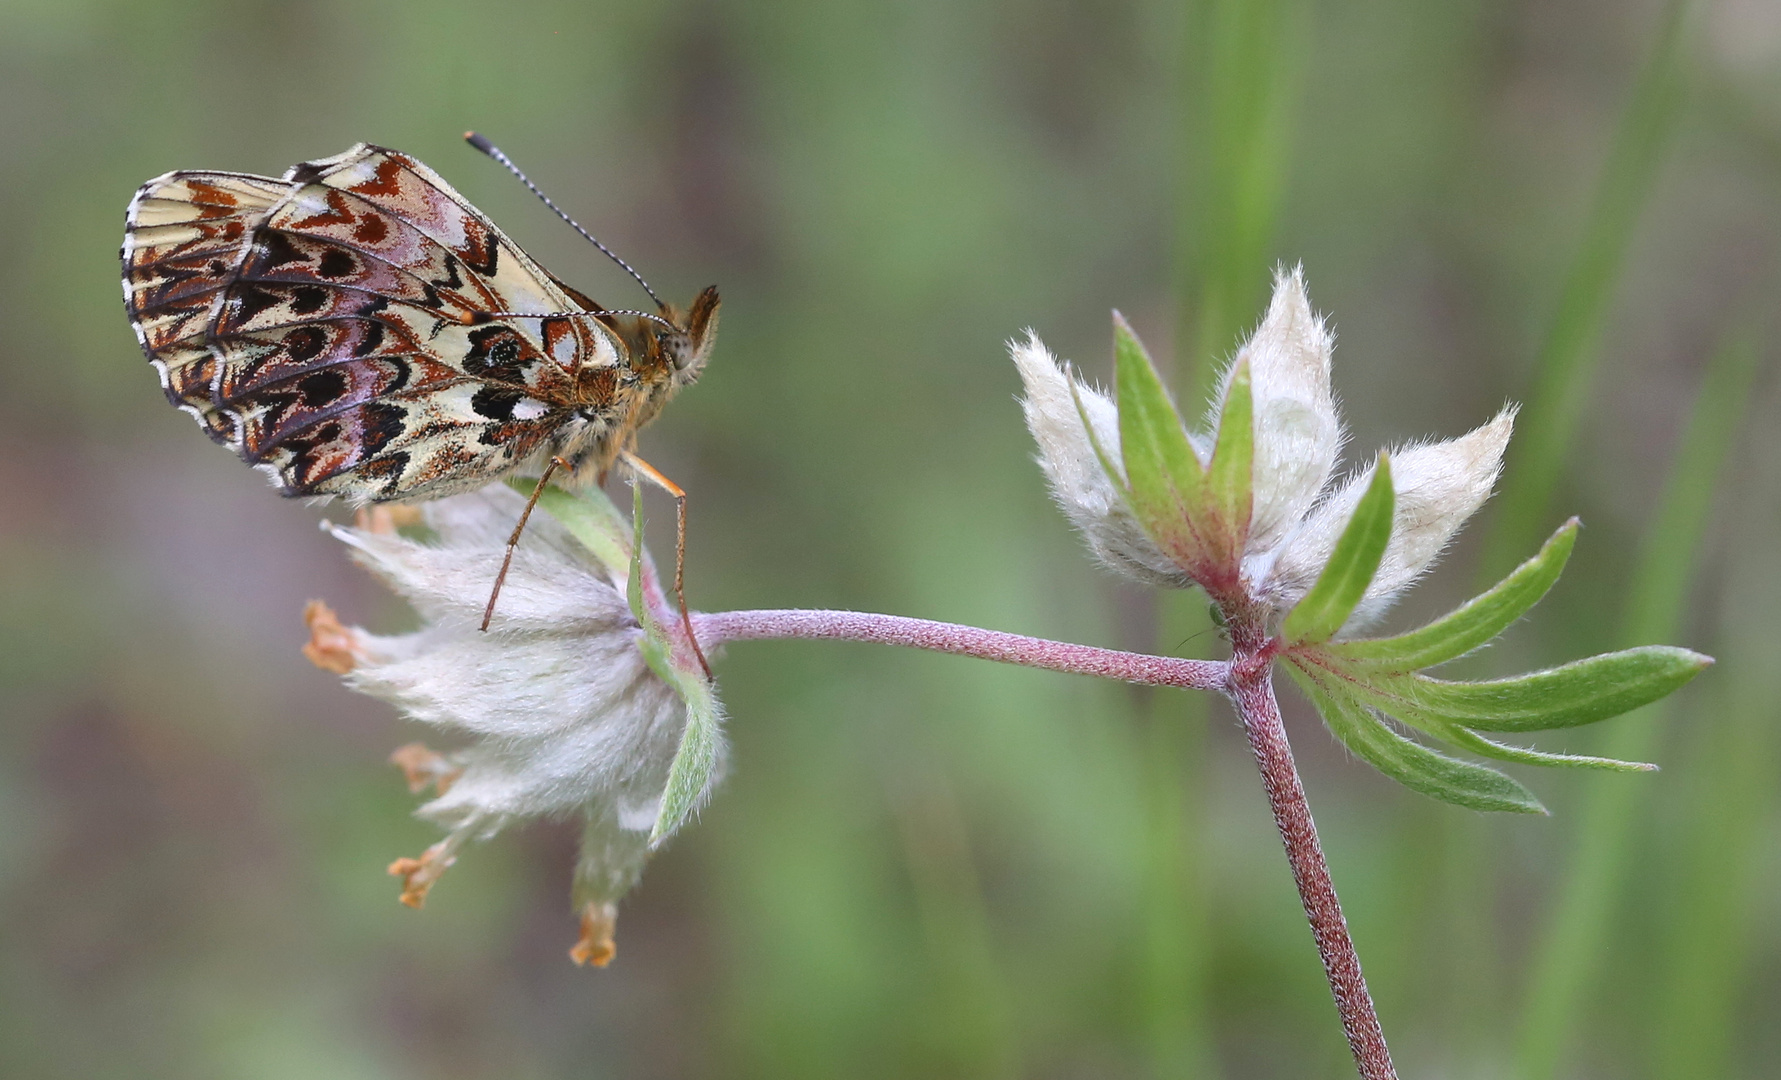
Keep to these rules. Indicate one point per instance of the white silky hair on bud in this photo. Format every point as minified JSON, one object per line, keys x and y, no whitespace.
{"x":1079,"y":484}
{"x":1295,"y":519}
{"x":566,"y":715}
{"x":1298,"y":435}
{"x":1437,"y":487}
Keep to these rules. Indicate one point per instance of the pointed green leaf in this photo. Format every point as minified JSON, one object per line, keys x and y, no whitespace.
{"x":1476,"y":622}
{"x":1580,"y":692}
{"x":1396,"y":696}
{"x":1318,"y":616}
{"x":1164,"y":478}
{"x":694,"y":767}
{"x":1410,"y":763}
{"x":1470,"y":740}
{"x":1230,"y":477}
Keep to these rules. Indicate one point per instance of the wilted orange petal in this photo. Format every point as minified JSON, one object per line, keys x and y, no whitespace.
{"x":595,"y":946}
{"x":421,"y":766}
{"x":331,"y":646}
{"x":418,"y":875}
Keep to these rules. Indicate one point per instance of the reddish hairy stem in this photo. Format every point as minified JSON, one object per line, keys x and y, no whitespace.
{"x":1247,"y":680}
{"x":964,"y":640}
{"x":1252,"y":691}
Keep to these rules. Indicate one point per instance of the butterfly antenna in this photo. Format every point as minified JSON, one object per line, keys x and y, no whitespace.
{"x":494,"y":151}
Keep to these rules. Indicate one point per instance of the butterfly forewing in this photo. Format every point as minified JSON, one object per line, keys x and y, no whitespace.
{"x":333,"y":328}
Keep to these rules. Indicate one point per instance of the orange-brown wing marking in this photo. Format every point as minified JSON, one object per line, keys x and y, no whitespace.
{"x":323,"y":327}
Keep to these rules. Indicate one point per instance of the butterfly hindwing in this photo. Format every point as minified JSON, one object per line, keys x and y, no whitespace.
{"x":333,"y":328}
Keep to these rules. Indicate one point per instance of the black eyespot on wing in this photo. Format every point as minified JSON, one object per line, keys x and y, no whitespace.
{"x":250,"y":300}
{"x":308,"y":299}
{"x":322,"y":388}
{"x":336,"y":263}
{"x":496,"y":352}
{"x":370,"y":340}
{"x":305,"y":343}
{"x":495,"y":402}
{"x":273,"y":249}
{"x":379,"y":423}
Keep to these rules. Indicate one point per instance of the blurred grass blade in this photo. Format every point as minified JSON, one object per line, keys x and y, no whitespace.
{"x":1345,"y":578}
{"x":1558,"y":386}
{"x":1572,"y":949}
{"x":1581,"y":692}
{"x":1245,"y":61}
{"x":1474,"y":623}
{"x":1567,"y":361}
{"x":1410,"y":763}
{"x":1703,"y":977}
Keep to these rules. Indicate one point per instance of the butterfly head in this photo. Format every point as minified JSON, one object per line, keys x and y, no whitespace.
{"x":686,"y":342}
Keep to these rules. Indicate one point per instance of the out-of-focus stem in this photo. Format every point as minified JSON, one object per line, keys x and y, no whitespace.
{"x":714,"y":629}
{"x":1252,"y":690}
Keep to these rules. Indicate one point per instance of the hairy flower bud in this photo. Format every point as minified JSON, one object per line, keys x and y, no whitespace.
{"x":1294,"y":517}
{"x":563,"y":713}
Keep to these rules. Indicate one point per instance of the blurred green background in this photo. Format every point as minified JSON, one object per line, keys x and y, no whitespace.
{"x":921,"y":865}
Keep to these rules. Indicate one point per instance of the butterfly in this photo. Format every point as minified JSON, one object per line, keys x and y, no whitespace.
{"x":356,"y":328}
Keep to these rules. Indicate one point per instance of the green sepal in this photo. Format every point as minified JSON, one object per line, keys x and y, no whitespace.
{"x":695,"y":761}
{"x":590,"y":517}
{"x":1165,"y":481}
{"x":1230,"y":487}
{"x":1474,"y":623}
{"x":1113,"y":472}
{"x":1345,"y":578}
{"x":1476,"y":787}
{"x":653,"y":635}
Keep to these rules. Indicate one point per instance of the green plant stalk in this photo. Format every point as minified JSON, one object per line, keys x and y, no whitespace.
{"x":1244,"y":61}
{"x":971,"y":1023}
{"x":1573,"y":945}
{"x":1175,"y":899}
{"x":1545,"y":433}
{"x":1705,"y":955}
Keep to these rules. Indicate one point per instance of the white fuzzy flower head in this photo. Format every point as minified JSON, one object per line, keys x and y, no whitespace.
{"x":1262,"y":538}
{"x":561,"y":712}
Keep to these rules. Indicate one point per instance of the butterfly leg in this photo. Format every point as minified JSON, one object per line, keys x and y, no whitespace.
{"x":649,"y":472}
{"x":513,"y":541}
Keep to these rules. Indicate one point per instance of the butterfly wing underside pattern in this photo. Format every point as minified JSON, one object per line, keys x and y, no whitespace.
{"x":333,"y":328}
